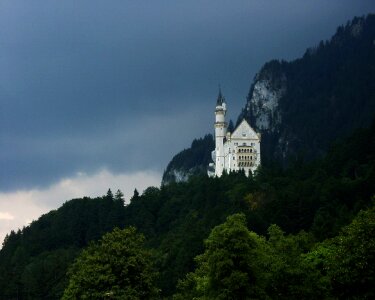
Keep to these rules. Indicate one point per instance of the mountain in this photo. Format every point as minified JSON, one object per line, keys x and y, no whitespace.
{"x":319,"y":198}
{"x":301,"y":106}
{"x":191,"y":161}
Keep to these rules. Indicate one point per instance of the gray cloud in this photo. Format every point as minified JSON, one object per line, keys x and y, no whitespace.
{"x":127,"y":84}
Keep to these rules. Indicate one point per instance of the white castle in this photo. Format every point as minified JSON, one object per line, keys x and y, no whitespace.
{"x":234,"y":151}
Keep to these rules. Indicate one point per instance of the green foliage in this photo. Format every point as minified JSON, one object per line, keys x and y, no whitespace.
{"x":239,"y":264}
{"x":329,"y":92}
{"x":351,"y":259}
{"x":119,"y":196}
{"x":229,"y":268}
{"x":109,"y":195}
{"x":290,"y":275}
{"x":117,"y":267}
{"x":319,"y":198}
{"x":53,"y":241}
{"x":44,"y":277}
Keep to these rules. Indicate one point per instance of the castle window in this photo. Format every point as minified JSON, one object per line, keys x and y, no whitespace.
{"x":251,"y":150}
{"x":244,"y":144}
{"x":251,"y":157}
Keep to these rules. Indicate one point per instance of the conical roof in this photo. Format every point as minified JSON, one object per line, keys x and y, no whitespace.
{"x":220,"y":98}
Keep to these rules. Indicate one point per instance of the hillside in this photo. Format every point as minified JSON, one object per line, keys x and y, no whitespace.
{"x":310,"y":187}
{"x":319,"y":198}
{"x":191,"y":161}
{"x":301,"y":106}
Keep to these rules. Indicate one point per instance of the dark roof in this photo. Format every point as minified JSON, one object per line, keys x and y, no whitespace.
{"x":220,"y":98}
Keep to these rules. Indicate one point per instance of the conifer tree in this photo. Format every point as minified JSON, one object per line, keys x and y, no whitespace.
{"x":109,"y":195}
{"x":119,"y":196}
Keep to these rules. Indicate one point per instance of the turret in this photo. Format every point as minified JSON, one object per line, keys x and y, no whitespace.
{"x":220,"y":132}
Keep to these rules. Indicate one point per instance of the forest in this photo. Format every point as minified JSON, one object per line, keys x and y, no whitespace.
{"x":302,"y":232}
{"x":304,"y":229}
{"x":329,"y":91}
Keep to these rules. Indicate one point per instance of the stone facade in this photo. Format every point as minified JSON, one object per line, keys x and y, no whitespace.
{"x":234,"y":151}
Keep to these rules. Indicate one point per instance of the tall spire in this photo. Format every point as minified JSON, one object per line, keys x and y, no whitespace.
{"x":220,"y":98}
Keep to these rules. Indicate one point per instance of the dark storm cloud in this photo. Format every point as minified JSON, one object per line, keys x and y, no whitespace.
{"x":127,"y":84}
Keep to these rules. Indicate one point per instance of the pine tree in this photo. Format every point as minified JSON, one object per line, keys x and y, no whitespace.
{"x":119,"y":196}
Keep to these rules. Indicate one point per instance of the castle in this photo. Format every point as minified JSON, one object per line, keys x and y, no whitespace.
{"x":234,"y":151}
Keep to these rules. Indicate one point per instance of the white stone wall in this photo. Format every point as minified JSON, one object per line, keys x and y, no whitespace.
{"x":241,"y":147}
{"x":220,"y":132}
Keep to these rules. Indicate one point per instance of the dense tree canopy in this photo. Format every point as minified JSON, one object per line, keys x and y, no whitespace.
{"x":327,"y":93}
{"x":117,"y":267}
{"x":239,"y":264}
{"x":319,"y":198}
{"x":229,"y":267}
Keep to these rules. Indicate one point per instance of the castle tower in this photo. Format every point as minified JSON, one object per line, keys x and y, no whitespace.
{"x":220,"y":132}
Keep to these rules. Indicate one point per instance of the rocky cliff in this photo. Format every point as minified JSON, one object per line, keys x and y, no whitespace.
{"x":191,"y":161}
{"x":301,"y":106}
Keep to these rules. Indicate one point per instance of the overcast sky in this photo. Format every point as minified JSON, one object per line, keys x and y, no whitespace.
{"x":99,"y":94}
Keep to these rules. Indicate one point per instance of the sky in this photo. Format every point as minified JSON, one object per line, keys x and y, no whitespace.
{"x":102,"y":94}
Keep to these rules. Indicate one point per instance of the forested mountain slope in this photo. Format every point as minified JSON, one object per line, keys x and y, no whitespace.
{"x":301,"y":106}
{"x":191,"y":161}
{"x":318,"y":197}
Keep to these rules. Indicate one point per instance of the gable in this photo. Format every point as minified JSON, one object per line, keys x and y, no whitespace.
{"x":244,"y":131}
